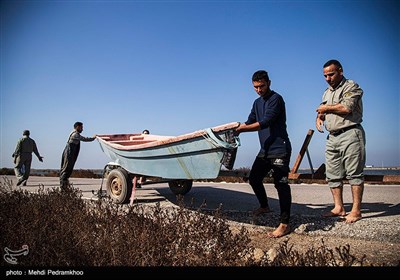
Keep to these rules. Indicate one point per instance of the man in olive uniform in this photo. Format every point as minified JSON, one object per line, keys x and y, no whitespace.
{"x":23,"y":157}
{"x":71,"y":152}
{"x":341,"y":112}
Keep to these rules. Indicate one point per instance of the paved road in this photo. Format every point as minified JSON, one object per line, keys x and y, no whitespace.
{"x":308,"y":199}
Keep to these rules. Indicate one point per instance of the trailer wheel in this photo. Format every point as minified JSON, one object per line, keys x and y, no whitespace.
{"x":180,"y":187}
{"x":119,"y":186}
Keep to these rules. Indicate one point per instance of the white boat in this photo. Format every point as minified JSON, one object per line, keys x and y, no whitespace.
{"x":196,"y":155}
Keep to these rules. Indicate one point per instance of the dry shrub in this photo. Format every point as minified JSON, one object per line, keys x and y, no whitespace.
{"x":315,"y":257}
{"x":62,"y":229}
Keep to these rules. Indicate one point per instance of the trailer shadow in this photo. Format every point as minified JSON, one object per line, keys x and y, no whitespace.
{"x":238,"y":206}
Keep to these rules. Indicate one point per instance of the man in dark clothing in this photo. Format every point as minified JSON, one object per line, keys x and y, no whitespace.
{"x":71,"y":152}
{"x":23,"y":157}
{"x":268,"y":117}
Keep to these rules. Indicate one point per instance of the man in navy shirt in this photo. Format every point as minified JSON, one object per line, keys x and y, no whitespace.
{"x":268,"y":117}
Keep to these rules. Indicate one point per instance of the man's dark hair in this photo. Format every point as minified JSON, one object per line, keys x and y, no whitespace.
{"x":334,"y":62}
{"x":260,"y":75}
{"x":77,"y":124}
{"x":26,"y":132}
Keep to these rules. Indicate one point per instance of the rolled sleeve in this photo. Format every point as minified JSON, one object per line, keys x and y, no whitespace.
{"x":351,"y":96}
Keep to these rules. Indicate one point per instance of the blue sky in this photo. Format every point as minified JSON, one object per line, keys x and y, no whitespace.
{"x":175,"y":67}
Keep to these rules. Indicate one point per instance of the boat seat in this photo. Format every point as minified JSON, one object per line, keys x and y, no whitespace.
{"x":120,"y":141}
{"x":130,"y":142}
{"x":136,"y":137}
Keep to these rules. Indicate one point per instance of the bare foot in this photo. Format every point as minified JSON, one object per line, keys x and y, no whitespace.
{"x":281,"y":230}
{"x":261,"y":211}
{"x":331,"y":214}
{"x":352,"y":218}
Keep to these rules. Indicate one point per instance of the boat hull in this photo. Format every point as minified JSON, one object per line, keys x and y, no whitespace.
{"x":198,"y":155}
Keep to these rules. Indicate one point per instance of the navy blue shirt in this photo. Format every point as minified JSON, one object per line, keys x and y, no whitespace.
{"x":270,"y":112}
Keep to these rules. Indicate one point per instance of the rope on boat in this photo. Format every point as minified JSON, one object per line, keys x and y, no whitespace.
{"x":212,"y":138}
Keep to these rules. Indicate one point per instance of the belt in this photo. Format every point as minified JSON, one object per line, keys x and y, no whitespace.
{"x":340,"y":131}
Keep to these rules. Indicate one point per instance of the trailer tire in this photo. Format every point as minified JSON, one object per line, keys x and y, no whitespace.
{"x":180,"y":187}
{"x":119,"y":186}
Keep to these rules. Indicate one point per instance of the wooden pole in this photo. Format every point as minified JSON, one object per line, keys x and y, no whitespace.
{"x":302,"y":151}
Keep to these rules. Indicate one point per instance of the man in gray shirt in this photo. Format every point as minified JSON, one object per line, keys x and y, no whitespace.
{"x":23,"y":157}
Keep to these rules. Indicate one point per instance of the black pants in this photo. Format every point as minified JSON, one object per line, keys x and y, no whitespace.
{"x":280,"y":172}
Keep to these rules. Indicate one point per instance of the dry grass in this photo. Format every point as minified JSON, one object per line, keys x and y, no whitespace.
{"x":61,"y":229}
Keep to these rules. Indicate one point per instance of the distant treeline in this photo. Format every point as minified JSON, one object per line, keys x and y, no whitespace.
{"x":78,"y":173}
{"x":388,"y":176}
{"x":98,"y":173}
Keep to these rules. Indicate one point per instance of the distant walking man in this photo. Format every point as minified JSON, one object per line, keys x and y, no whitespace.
{"x":71,"y":152}
{"x":23,"y":157}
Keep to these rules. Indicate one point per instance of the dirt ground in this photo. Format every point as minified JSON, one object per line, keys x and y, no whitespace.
{"x":376,"y":253}
{"x":371,"y":252}
{"x":371,"y":241}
